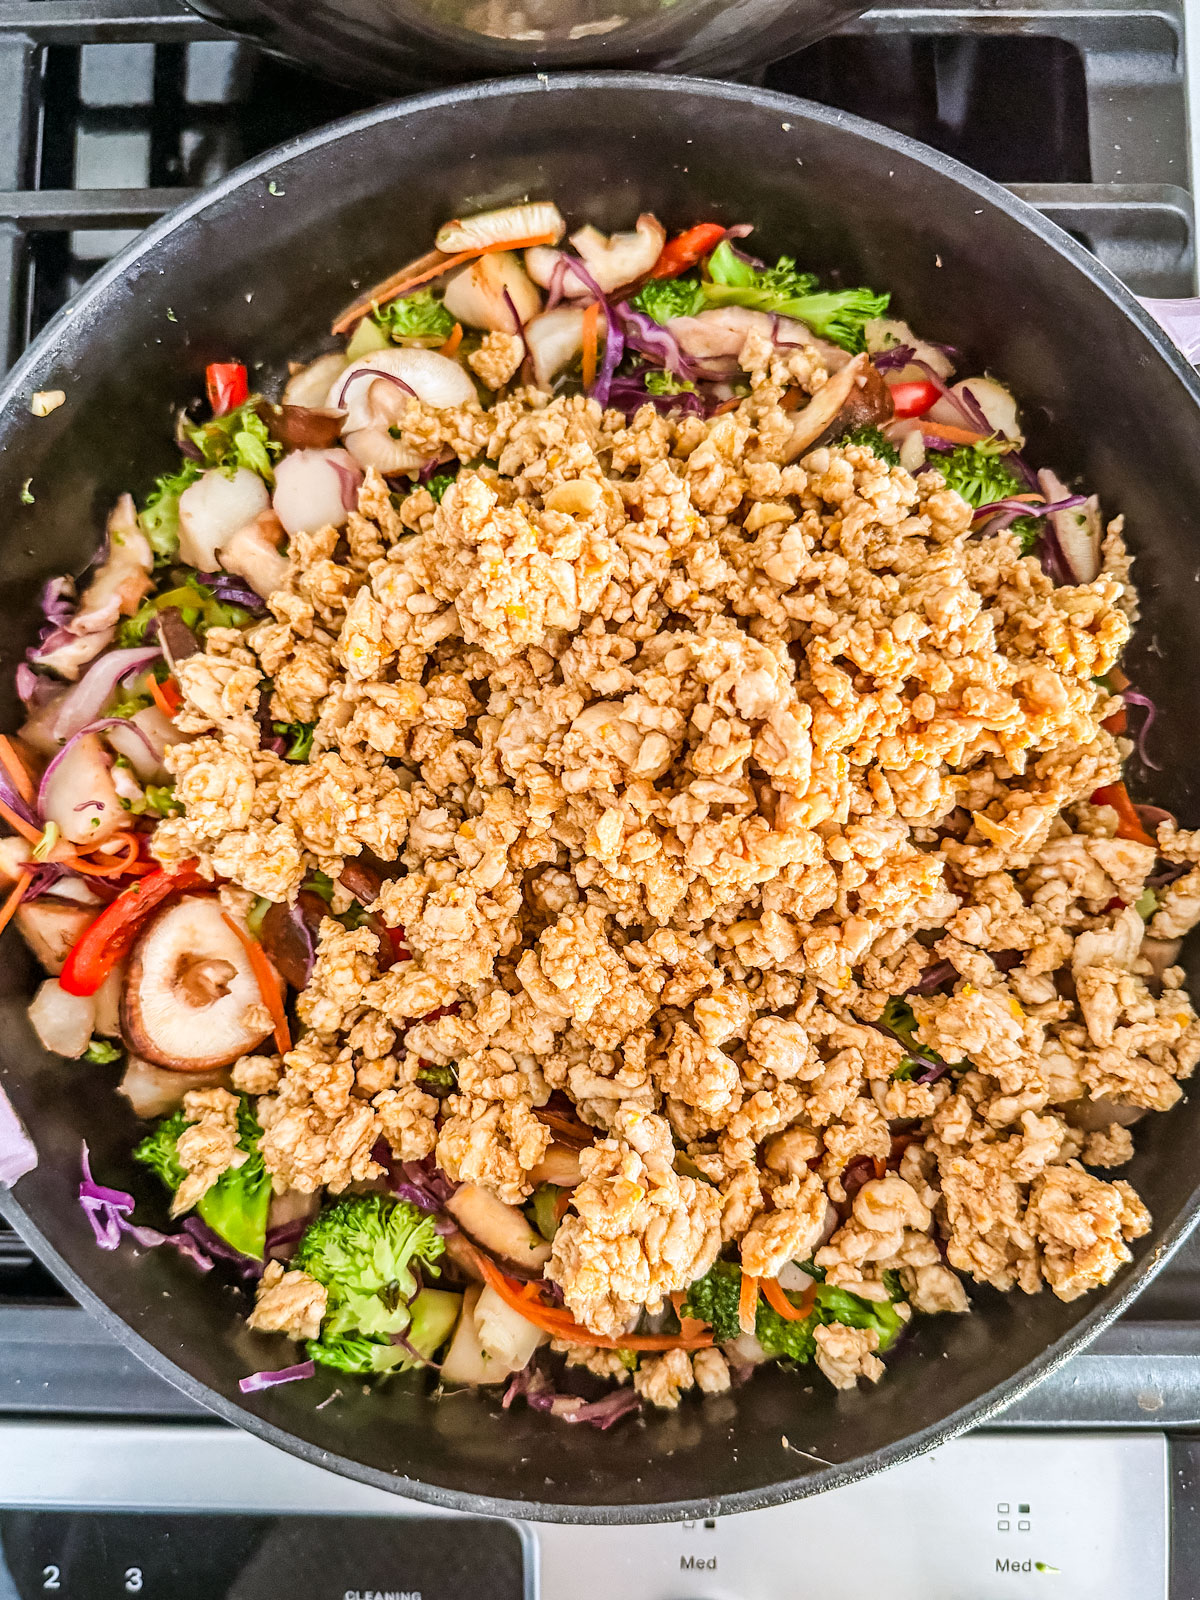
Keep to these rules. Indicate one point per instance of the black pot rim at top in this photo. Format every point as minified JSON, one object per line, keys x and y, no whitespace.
{"x":41,"y":1207}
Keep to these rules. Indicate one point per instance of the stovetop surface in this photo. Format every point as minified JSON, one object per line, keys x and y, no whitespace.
{"x":113,"y":111}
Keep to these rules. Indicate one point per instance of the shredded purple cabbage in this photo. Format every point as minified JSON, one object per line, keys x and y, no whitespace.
{"x":629,"y":394}
{"x":286,"y":1233}
{"x":554,"y":291}
{"x":109,"y":1212}
{"x":57,"y":601}
{"x":535,"y":1388}
{"x":17,"y":1153}
{"x":271,"y":1380}
{"x":932,"y":979}
{"x":233,"y":591}
{"x":652,"y":339}
{"x":248,"y":1267}
{"x":1143,"y":703}
{"x":900,"y":355}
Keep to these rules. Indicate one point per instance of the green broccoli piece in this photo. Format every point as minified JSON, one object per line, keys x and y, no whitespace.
{"x":873,"y":440}
{"x":363,"y":1249}
{"x":197,"y":605}
{"x":320,"y":883}
{"x":437,"y":1080}
{"x":898,"y":1018}
{"x":236,"y":1206}
{"x":439,"y":483}
{"x":101,"y":1052}
{"x":668,"y":383}
{"x":664,"y":298}
{"x":301,"y":736}
{"x":1027,"y":531}
{"x":420,"y":315}
{"x":978,"y":472}
{"x":434,"y":1313}
{"x":714,"y":1299}
{"x":840,"y":315}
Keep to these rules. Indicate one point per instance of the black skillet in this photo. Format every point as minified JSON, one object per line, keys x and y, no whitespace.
{"x":255,"y":268}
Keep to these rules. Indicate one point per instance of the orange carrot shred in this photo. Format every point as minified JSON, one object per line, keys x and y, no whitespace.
{"x":15,"y":768}
{"x":268,"y":984}
{"x":778,"y":1301}
{"x":748,"y":1302}
{"x":9,"y":909}
{"x":453,"y":342}
{"x":392,"y":288}
{"x":166,"y":696}
{"x":561,"y":1325}
{"x":591,"y":342}
{"x":945,"y":430}
{"x":110,"y":866}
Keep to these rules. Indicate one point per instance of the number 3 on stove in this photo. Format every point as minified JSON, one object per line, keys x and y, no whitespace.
{"x":133,"y":1580}
{"x":51,"y":1578}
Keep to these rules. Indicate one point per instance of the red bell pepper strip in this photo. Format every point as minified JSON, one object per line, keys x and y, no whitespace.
{"x":227,"y":385}
{"x":1129,"y":825}
{"x":687,"y":248}
{"x":110,"y":938}
{"x":914,"y":399}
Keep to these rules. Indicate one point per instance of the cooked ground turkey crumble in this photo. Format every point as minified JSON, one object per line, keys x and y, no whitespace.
{"x":694,"y":755}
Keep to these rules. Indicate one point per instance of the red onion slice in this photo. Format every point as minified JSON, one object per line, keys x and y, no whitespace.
{"x":83,"y":703}
{"x":371,"y":372}
{"x":271,"y":1380}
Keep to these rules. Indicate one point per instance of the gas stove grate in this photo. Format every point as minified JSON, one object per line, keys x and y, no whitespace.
{"x":113,"y":111}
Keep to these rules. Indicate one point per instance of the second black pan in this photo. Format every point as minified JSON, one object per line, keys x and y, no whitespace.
{"x":255,"y":268}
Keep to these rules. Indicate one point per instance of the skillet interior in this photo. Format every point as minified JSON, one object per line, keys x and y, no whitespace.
{"x":249,"y":273}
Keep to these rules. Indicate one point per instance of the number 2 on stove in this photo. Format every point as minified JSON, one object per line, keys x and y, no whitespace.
{"x":51,"y":1578}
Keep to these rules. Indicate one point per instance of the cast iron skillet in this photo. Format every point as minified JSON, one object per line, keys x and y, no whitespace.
{"x":245,"y":271}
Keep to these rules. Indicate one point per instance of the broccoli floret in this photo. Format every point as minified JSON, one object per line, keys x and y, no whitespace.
{"x":714,"y":1299}
{"x":664,"y":298}
{"x":979,"y":473}
{"x":1027,"y":531}
{"x":420,"y":315}
{"x":236,"y":1206}
{"x":873,"y":440}
{"x":102,"y":1051}
{"x":437,"y":1080}
{"x":300,"y":737}
{"x":668,"y":383}
{"x":840,"y":315}
{"x":363,"y":1249}
{"x":439,"y":483}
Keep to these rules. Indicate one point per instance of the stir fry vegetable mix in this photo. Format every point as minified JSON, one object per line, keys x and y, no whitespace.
{"x":620,"y":319}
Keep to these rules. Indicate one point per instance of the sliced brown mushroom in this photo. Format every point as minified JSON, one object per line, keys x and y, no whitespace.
{"x":825,"y":406}
{"x":501,"y":1230}
{"x":289,"y":935}
{"x":870,"y":405}
{"x":191,"y":1001}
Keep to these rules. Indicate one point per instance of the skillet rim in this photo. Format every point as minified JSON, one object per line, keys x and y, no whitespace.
{"x":1133,"y":1279}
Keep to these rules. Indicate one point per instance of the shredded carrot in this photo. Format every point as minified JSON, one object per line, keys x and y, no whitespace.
{"x":404,"y":280}
{"x":1129,"y":826}
{"x":562,"y":1325}
{"x":561,"y":1205}
{"x":453,"y":342}
{"x":1118,"y":722}
{"x":268,"y":985}
{"x":945,"y":430}
{"x":166,"y":696}
{"x":9,"y":909}
{"x":15,"y":768}
{"x":792,"y":399}
{"x":591,"y":342}
{"x":778,"y":1301}
{"x":19,"y":825}
{"x":110,"y":866}
{"x":748,"y":1302}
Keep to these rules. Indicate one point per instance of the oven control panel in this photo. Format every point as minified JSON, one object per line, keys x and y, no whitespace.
{"x":206,"y":1513}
